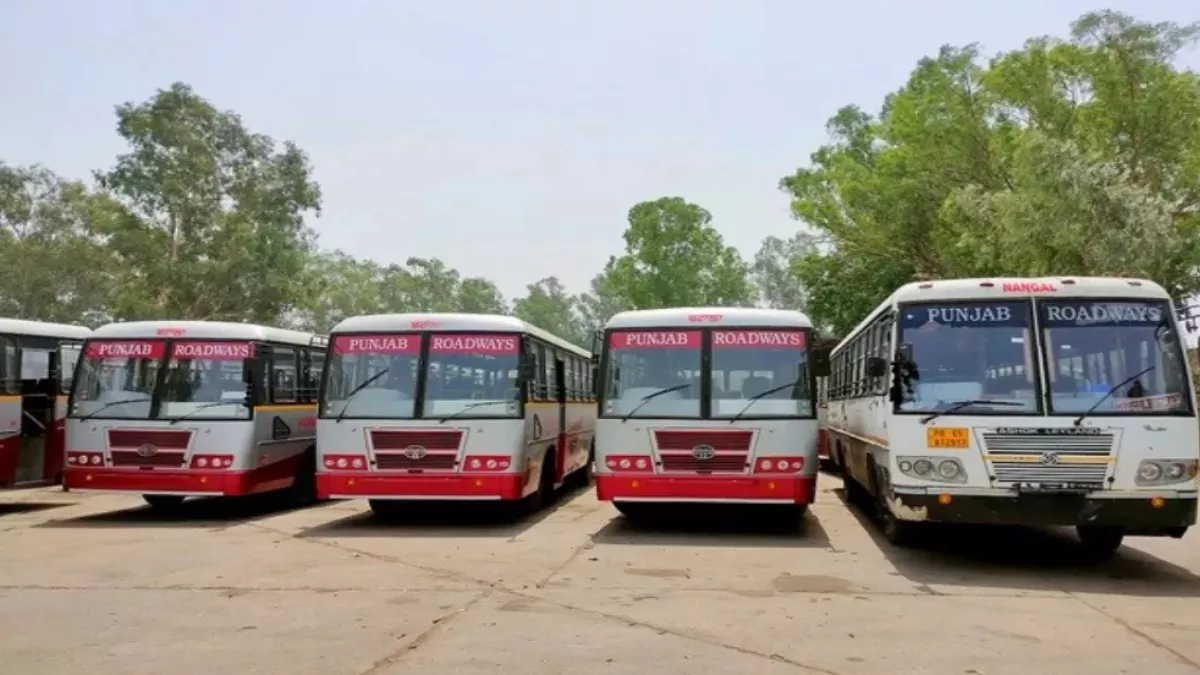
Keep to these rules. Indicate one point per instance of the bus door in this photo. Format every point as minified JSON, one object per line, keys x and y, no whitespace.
{"x":39,"y":393}
{"x":10,"y":410}
{"x":560,"y":405}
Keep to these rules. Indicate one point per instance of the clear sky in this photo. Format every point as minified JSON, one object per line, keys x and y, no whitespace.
{"x":508,"y":138}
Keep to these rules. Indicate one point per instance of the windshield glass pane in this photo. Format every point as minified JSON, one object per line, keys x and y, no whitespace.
{"x":385,"y":364}
{"x":117,"y":377}
{"x":747,"y":363}
{"x":472,"y":375}
{"x":642,"y":363}
{"x":1093,"y":346}
{"x":206,"y":379}
{"x":970,"y":351}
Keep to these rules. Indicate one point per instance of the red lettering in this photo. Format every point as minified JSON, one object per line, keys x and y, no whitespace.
{"x":213,"y":351}
{"x":474,"y":343}
{"x":424,"y":324}
{"x":377,"y":344}
{"x":672,"y":339}
{"x":1028,"y":287}
{"x":170,"y":332}
{"x":125,"y":349}
{"x":757,"y":339}
{"x":704,"y":318}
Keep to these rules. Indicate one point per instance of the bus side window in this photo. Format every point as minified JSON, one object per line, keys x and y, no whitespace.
{"x":572,"y":378}
{"x":283,"y":375}
{"x":68,"y":358}
{"x":548,"y":372}
{"x":538,"y":382}
{"x":10,"y":372}
{"x":316,"y":366}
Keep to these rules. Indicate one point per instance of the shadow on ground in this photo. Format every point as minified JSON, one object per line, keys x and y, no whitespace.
{"x":716,"y":525}
{"x":14,"y":508}
{"x":1020,"y":558}
{"x":201,"y":513}
{"x":454,"y":519}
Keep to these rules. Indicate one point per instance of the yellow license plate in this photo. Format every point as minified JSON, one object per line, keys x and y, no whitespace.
{"x":948,"y":437}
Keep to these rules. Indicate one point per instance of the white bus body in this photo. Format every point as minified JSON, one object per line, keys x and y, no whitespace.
{"x":1059,"y":401}
{"x":451,"y":407}
{"x":177,"y":409}
{"x":677,"y":419}
{"x":36,"y":361}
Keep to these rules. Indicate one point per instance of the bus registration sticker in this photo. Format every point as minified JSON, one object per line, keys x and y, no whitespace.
{"x":948,"y":437}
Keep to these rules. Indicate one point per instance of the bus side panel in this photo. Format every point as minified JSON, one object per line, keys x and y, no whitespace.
{"x":542,"y":436}
{"x":282,"y":434}
{"x":859,"y":436}
{"x":577,"y":437}
{"x":10,"y":439}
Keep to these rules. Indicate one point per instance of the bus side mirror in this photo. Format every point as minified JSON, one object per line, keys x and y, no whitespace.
{"x":905,"y":351}
{"x":876,"y":367}
{"x":597,"y":342}
{"x":252,"y":376}
{"x":820,"y":362}
{"x":528,"y":369}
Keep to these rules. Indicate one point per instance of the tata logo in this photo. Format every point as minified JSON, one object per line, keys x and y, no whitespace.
{"x":704,"y":452}
{"x":146,"y":450}
{"x":415,"y":452}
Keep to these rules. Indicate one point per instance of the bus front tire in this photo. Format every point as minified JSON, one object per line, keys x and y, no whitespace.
{"x":545,"y":490}
{"x":304,"y":487}
{"x":164,"y":503}
{"x":1100,"y":542}
{"x":386,"y":508}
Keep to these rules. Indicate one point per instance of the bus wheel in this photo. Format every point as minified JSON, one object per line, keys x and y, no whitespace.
{"x":1100,"y":542}
{"x":897,"y":532}
{"x":304,"y":488}
{"x":164,"y":503}
{"x":386,"y":508}
{"x":545,"y":489}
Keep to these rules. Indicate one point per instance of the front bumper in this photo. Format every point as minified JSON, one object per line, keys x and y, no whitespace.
{"x":366,"y":485}
{"x":1148,"y":513}
{"x":743,"y":489}
{"x":197,"y":483}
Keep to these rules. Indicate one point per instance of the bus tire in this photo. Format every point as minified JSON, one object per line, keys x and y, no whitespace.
{"x":304,"y":487}
{"x":589,"y":470}
{"x":386,"y":508}
{"x":545,"y":490}
{"x":1100,"y":542}
{"x":897,"y":532}
{"x":164,"y":503}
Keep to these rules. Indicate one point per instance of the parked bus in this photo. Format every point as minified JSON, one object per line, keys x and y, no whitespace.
{"x":178,"y":409}
{"x":706,"y":405}
{"x":36,"y":362}
{"x":822,"y":388}
{"x":1057,"y":402}
{"x":451,"y":407}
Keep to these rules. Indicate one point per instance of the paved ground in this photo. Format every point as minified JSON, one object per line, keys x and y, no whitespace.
{"x":95,"y":584}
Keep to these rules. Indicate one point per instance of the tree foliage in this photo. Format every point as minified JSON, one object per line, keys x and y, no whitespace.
{"x":1069,"y":156}
{"x":549,"y":306}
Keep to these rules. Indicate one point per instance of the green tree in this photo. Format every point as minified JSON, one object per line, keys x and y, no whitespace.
{"x":1077,"y":156}
{"x":674,"y":257}
{"x":219,"y":231}
{"x":773,"y":271}
{"x":341,"y":286}
{"x":53,"y":265}
{"x":549,"y":307}
{"x":477,"y":295}
{"x":602,"y":300}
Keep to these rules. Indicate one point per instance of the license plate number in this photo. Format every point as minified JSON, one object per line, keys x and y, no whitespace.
{"x":948,"y":437}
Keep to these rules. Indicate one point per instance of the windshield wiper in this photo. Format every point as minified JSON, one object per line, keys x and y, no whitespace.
{"x":110,"y":404}
{"x":361,"y":385}
{"x":198,"y":408}
{"x":1115,"y":387}
{"x":651,"y":396}
{"x":755,"y":398}
{"x":469,"y":407}
{"x":959,"y":405}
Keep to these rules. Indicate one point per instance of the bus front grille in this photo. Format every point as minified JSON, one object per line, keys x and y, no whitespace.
{"x":163,"y":460}
{"x":703,"y":451}
{"x":1033,"y":458}
{"x":429,"y":439}
{"x":396,"y":461}
{"x":159,"y":438}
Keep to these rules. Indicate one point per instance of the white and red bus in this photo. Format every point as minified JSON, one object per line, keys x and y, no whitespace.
{"x":451,"y":407}
{"x":178,"y":409}
{"x":36,"y":362}
{"x":706,"y":405}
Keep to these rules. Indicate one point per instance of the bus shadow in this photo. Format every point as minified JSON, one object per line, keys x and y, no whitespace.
{"x":1030,"y":559}
{"x":450,"y":519}
{"x":207,"y":512}
{"x":17,"y":508}
{"x":715,"y":525}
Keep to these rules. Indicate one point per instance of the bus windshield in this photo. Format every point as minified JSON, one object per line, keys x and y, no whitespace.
{"x":206,"y":379}
{"x":970,"y":351}
{"x":1092,"y":346}
{"x":750,"y":363}
{"x":644,"y":363}
{"x":372,"y":376}
{"x":117,"y":378}
{"x":472,"y":375}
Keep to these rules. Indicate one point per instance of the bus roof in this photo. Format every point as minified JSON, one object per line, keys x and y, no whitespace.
{"x":42,"y":329}
{"x":451,"y":322}
{"x":699,"y":317}
{"x":1015,"y":288}
{"x":202,"y":330}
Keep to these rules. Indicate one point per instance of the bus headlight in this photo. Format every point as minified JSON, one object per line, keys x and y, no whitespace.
{"x":948,"y":469}
{"x":922,"y":467}
{"x":937,"y":469}
{"x":1149,"y":472}
{"x":1174,"y":471}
